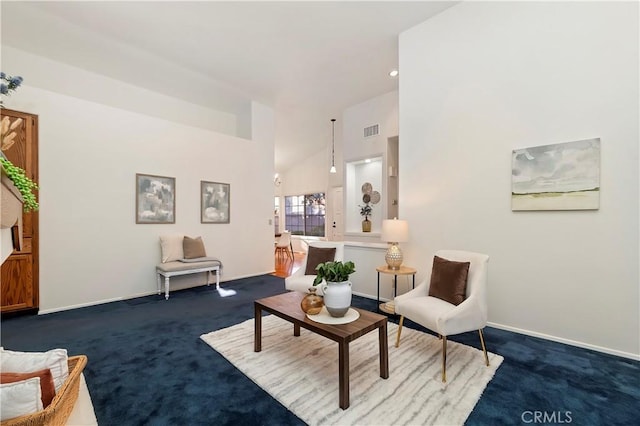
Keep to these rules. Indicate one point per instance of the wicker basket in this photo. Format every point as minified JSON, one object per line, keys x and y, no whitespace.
{"x":61,"y":407}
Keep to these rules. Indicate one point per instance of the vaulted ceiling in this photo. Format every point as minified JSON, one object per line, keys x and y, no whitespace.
{"x":308,"y":60}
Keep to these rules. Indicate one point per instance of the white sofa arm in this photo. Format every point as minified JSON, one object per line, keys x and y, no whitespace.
{"x":83,"y":413}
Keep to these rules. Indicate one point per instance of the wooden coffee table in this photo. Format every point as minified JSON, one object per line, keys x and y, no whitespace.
{"x":287,"y":307}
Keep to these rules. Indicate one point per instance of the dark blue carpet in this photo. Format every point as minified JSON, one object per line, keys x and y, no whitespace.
{"x":148,"y":366}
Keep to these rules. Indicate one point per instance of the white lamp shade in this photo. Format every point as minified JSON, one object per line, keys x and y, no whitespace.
{"x":395,"y":231}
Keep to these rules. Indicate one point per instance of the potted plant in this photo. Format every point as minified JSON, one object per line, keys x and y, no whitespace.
{"x":8,"y":135}
{"x":365,"y":210}
{"x":337,"y":287}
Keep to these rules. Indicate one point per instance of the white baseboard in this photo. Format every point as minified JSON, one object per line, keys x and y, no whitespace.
{"x":239,"y":277}
{"x":566,"y":341}
{"x":81,"y":305}
{"x":368,"y":296}
{"x":543,"y":336}
{"x":144,"y":294}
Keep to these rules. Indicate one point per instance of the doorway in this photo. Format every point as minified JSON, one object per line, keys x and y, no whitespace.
{"x":336,"y":225}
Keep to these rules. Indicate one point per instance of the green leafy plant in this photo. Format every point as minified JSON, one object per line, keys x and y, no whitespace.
{"x":334,"y":272}
{"x":25,"y":185}
{"x":366,"y":210}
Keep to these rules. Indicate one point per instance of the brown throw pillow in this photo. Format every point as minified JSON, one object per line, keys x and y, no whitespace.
{"x":449,"y":280}
{"x":47,"y":388}
{"x":318,"y":255}
{"x":193,"y":248}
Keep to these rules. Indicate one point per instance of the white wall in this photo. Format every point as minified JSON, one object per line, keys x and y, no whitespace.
{"x":90,"y":246}
{"x":312,"y":174}
{"x":367,"y":257}
{"x":307,"y":176}
{"x":107,"y":91}
{"x":481,"y":79}
{"x":382,"y":110}
{"x":356,"y":175}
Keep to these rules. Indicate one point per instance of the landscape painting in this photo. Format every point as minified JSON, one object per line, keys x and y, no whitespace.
{"x":563,"y":176}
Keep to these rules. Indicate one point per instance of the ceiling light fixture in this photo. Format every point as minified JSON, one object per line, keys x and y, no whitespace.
{"x":333,"y":146}
{"x":394,"y":73}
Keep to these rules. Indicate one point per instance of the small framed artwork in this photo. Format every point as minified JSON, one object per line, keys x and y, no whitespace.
{"x":214,"y":202}
{"x":155,"y":199}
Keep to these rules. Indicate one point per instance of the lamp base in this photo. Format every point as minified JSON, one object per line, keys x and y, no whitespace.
{"x":393,"y":257}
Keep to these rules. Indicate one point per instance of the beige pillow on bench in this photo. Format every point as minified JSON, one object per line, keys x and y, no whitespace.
{"x":171,"y":246}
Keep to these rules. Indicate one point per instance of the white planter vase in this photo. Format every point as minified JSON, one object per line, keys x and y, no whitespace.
{"x":337,"y":298}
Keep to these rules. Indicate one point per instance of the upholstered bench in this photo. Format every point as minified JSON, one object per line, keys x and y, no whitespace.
{"x":172,"y":269}
{"x":182,"y":255}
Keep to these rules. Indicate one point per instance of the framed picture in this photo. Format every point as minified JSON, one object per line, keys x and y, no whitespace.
{"x":155,"y":199}
{"x":214,"y":202}
{"x":562,"y":176}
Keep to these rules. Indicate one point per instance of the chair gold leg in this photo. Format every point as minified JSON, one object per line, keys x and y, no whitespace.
{"x":399,"y":331}
{"x":484,"y":348}
{"x":444,"y":359}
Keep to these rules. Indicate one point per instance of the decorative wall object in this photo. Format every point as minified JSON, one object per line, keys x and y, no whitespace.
{"x":369,"y":197}
{"x":563,"y":176}
{"x":357,"y":174}
{"x":214,"y":202}
{"x":155,"y":199}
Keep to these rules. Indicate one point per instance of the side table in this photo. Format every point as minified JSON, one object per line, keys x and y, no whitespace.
{"x":403,"y":270}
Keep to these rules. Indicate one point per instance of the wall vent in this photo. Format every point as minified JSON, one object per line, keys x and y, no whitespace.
{"x":371,"y":131}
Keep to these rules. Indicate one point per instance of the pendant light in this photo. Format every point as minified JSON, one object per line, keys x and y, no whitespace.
{"x":333,"y":146}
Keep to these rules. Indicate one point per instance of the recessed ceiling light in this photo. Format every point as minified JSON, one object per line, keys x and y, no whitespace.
{"x":393,"y":73}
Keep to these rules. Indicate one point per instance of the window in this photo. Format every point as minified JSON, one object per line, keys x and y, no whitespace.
{"x":304,"y":214}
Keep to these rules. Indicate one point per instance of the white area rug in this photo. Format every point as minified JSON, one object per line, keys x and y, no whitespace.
{"x":302,"y":373}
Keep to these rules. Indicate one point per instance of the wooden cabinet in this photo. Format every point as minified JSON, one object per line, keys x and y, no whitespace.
{"x":19,"y":272}
{"x":11,"y":207}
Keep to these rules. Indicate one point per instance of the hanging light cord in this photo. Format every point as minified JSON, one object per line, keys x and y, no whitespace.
{"x":333,"y":142}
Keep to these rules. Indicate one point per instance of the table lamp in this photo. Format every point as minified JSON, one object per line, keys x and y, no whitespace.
{"x":394,"y":231}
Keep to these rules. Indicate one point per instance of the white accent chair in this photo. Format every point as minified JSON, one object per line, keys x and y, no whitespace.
{"x":298,"y":281}
{"x":443,"y":317}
